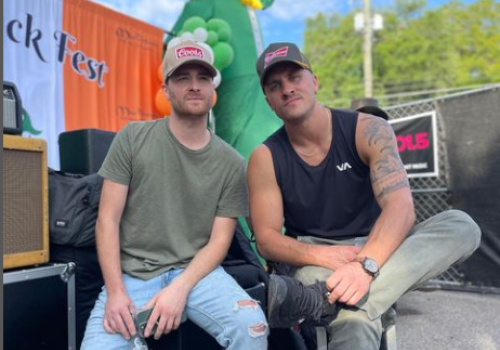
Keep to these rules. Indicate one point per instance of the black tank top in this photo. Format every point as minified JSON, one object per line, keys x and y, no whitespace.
{"x":333,"y":199}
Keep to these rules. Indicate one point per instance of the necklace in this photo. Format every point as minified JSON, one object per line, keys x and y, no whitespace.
{"x":328,"y":138}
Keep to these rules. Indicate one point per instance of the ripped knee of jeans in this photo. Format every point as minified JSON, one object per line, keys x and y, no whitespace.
{"x":247,"y":303}
{"x":258,"y":330}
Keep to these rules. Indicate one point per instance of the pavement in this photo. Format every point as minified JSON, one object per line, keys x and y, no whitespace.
{"x":448,"y":320}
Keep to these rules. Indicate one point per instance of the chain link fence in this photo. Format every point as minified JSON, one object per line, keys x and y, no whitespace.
{"x":431,"y":195}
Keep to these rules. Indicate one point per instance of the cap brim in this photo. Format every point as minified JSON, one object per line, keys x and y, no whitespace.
{"x":266,"y":70}
{"x":208,"y":66}
{"x":376,"y":111}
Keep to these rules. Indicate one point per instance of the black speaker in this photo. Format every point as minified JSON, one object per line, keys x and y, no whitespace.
{"x":83,"y":151}
{"x":12,"y":110}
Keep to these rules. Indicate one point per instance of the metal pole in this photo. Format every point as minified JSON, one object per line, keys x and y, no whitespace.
{"x":367,"y":49}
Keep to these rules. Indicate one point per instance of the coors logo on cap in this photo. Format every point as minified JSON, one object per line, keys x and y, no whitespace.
{"x":184,"y":52}
{"x":188,"y":51}
{"x":282,"y":52}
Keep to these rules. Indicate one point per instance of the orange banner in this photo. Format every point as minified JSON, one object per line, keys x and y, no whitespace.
{"x":110,"y":67}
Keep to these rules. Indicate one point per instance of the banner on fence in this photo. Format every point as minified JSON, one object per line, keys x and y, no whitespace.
{"x":417,"y":144}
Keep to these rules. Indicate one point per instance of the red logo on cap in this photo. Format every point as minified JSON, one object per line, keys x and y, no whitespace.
{"x":188,"y":51}
{"x":282,"y":52}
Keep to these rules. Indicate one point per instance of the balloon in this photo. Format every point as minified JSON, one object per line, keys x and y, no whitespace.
{"x":224,"y":55}
{"x":213,"y":38}
{"x":192,"y":23}
{"x":217,"y":79}
{"x":224,"y":34}
{"x":255,"y":4}
{"x":216,"y":23}
{"x":214,"y":99}
{"x":160,"y":73}
{"x":187,"y":36}
{"x":162,"y":103}
{"x":200,"y":34}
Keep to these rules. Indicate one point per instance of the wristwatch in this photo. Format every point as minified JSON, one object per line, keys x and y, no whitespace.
{"x":370,"y":266}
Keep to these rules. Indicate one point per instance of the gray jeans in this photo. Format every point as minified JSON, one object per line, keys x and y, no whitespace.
{"x":430,"y":248}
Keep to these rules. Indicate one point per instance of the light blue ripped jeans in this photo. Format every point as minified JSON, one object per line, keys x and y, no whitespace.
{"x":429,"y":250}
{"x":217,"y":304}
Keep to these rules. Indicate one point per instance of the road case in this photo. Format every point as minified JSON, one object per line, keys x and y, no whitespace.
{"x":39,"y":308}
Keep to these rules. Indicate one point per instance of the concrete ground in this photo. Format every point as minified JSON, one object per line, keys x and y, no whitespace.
{"x":448,"y":320}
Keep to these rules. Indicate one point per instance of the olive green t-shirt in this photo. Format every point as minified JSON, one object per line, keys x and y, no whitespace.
{"x":174,"y":195}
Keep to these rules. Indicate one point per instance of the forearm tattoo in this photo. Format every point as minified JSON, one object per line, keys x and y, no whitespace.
{"x":388,"y":174}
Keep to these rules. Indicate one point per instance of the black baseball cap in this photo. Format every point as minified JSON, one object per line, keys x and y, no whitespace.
{"x":369,"y":106}
{"x":277,"y":53}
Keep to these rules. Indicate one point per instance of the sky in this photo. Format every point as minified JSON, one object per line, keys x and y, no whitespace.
{"x":284,"y":20}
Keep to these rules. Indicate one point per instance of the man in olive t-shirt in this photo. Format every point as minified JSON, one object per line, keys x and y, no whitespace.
{"x":172,"y":193}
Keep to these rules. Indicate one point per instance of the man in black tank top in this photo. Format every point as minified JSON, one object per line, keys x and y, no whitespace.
{"x":335,"y":181}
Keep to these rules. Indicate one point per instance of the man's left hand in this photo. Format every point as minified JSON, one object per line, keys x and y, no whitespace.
{"x":168,"y":305}
{"x":348,"y":284}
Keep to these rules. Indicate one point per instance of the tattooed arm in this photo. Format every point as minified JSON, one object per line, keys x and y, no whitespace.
{"x":377,"y":147}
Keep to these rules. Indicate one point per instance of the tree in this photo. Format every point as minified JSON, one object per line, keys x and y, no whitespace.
{"x":408,"y":9}
{"x":334,"y":52}
{"x":450,"y":47}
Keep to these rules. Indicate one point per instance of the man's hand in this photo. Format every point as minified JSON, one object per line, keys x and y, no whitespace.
{"x":337,"y":256}
{"x":118,"y":315}
{"x":169,"y":304}
{"x":348,"y":284}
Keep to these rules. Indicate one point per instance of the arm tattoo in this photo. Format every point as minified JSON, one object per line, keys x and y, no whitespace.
{"x":388,"y":174}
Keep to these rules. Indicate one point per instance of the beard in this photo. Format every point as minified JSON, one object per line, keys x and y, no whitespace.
{"x":185,"y":108}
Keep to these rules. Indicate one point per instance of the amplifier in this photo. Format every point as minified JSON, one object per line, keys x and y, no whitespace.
{"x":12,"y":109}
{"x":25,"y":202}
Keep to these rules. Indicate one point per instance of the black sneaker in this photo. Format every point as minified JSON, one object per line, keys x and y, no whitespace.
{"x":290,"y":303}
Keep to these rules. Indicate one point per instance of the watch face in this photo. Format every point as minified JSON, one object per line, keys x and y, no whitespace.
{"x":370,"y":265}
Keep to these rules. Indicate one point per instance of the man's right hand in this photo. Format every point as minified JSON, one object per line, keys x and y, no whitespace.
{"x":333,"y":257}
{"x":118,"y":316}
